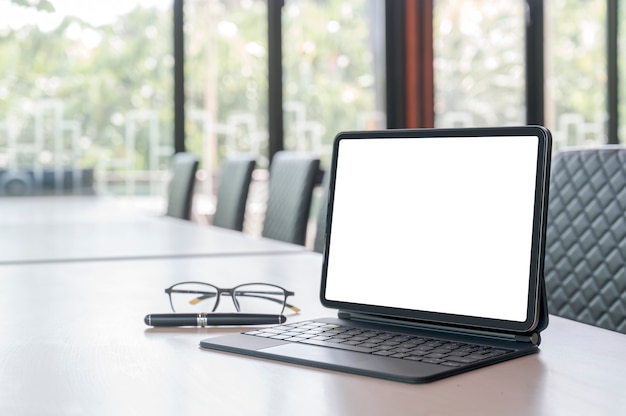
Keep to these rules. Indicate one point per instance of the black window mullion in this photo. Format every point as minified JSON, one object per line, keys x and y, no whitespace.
{"x":612,"y":72}
{"x":179,"y":78}
{"x":275,"y":77}
{"x":395,"y":49}
{"x":535,"y":63}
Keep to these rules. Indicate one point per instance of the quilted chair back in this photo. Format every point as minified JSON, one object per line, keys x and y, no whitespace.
{"x":180,"y":188}
{"x":232,"y":194}
{"x":292,"y":178}
{"x":320,"y":232}
{"x":585,"y":267}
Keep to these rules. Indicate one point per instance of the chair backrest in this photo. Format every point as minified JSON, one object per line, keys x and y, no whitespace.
{"x":320,"y":232}
{"x":232,"y":192}
{"x":180,"y":188}
{"x":585,"y":266}
{"x":292,"y":178}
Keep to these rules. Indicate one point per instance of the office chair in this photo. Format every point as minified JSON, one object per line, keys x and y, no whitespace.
{"x":180,"y":188}
{"x":292,"y":178}
{"x":232,"y":193}
{"x":320,"y":232}
{"x":585,"y":267}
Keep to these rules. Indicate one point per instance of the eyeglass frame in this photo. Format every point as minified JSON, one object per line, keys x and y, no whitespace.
{"x":230,"y":292}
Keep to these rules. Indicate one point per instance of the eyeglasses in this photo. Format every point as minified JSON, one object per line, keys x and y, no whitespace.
{"x":250,"y":297}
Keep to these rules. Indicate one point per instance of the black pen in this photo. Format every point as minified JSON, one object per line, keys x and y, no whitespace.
{"x":209,"y":319}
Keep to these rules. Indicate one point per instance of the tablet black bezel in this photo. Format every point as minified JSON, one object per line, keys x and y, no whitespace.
{"x":536,"y":317}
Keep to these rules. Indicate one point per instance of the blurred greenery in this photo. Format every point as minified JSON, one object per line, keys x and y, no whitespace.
{"x":329,"y":66}
{"x":479,"y":49}
{"x":44,"y":5}
{"x":577,"y":69}
{"x":105,"y":77}
{"x":226,"y":75}
{"x":115,"y":80}
{"x":479,"y":62}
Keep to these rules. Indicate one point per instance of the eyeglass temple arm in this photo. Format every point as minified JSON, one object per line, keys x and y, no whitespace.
{"x":259,"y":294}
{"x":254,"y":294}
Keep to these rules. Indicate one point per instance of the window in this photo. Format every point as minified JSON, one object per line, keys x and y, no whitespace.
{"x":226,"y":88}
{"x":576,"y":72}
{"x":333,"y":60}
{"x":85,"y":96}
{"x":479,"y":63}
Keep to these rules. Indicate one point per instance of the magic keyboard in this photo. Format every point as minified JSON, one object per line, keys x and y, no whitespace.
{"x":391,"y":344}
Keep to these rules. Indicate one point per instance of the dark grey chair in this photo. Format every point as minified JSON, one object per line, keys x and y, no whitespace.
{"x":180,"y":188}
{"x":320,"y":232}
{"x":232,"y":193}
{"x":292,"y":178}
{"x":585,"y":266}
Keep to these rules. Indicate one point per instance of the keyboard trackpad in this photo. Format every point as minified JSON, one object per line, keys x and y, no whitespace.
{"x":353,"y":362}
{"x":317,"y":354}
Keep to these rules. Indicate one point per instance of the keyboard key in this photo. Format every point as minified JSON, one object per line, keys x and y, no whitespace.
{"x":368,"y":344}
{"x":432,"y":360}
{"x":401,"y":338}
{"x":274,"y":330}
{"x":359,"y":338}
{"x":385,"y":347}
{"x":436,"y":355}
{"x":478,"y":357}
{"x":459,"y":353}
{"x":305,"y":335}
{"x":280,"y":337}
{"x":399,"y":355}
{"x":424,"y":347}
{"x":292,"y":333}
{"x":340,"y":346}
{"x":399,"y":349}
{"x":451,"y":364}
{"x":465,"y":360}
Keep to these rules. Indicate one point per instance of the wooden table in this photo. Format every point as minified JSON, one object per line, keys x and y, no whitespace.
{"x":58,"y":229}
{"x":74,"y":343}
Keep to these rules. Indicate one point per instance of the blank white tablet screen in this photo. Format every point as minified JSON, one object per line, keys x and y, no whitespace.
{"x":434,"y":224}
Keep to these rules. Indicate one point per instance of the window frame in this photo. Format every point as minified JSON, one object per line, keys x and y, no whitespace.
{"x":409,"y":63}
